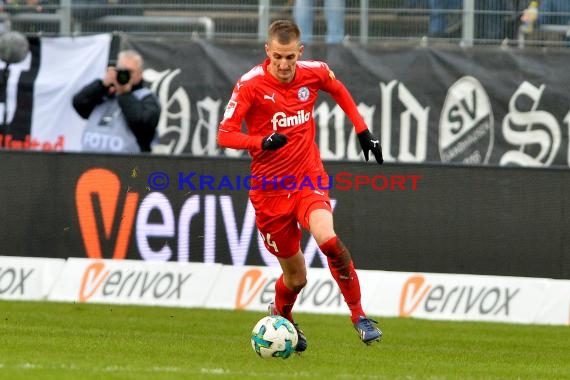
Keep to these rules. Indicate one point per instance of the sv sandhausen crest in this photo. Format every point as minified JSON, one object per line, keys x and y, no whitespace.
{"x":303,"y":94}
{"x":466,"y":124}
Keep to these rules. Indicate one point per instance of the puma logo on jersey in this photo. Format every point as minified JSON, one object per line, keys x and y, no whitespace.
{"x":280,"y":119}
{"x":272,"y":97}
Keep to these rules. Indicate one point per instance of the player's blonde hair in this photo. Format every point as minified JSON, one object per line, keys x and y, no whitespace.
{"x":284,"y":31}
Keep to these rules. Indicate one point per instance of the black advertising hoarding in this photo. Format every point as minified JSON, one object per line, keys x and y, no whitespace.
{"x":444,"y":219}
{"x":477,"y":106}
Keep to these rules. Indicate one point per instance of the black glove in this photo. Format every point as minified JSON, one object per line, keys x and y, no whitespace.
{"x":274,"y":141}
{"x":369,"y":142}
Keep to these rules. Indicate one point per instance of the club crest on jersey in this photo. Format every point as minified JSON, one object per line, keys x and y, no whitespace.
{"x":303,"y":94}
{"x":280,"y":119}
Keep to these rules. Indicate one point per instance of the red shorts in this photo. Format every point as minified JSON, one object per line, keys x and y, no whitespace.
{"x":278,"y":217}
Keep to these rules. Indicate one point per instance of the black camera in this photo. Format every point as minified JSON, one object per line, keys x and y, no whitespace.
{"x":123,"y":76}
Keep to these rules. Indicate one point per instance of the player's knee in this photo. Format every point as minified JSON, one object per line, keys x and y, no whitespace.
{"x":338,"y":256}
{"x":299,"y":284}
{"x":334,"y":249}
{"x":321,"y":225}
{"x":324,"y":237}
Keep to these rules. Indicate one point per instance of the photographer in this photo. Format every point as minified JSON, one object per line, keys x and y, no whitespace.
{"x":122,"y":114}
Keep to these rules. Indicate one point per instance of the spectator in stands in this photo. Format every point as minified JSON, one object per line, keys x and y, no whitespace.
{"x":14,"y":6}
{"x":443,"y":22}
{"x":496,"y":19}
{"x":121,"y":113}
{"x":304,"y":15}
{"x":554,"y":12}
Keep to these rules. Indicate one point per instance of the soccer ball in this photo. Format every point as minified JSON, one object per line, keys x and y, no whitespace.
{"x":274,"y":337}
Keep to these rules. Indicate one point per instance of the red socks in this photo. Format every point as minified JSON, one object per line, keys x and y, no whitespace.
{"x":284,"y":299}
{"x":342,"y":270}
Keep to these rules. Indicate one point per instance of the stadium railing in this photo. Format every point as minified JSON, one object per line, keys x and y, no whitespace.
{"x":366,"y":21}
{"x":118,"y":22}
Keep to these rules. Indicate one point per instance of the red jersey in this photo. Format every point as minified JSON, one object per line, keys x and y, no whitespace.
{"x":268,"y":106}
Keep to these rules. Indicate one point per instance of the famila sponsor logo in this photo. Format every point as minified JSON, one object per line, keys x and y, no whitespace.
{"x":280,"y":119}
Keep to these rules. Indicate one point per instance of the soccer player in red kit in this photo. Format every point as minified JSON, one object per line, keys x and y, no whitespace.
{"x":276,"y":100}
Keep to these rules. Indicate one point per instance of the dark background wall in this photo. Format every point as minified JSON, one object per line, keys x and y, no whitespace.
{"x":479,"y":220}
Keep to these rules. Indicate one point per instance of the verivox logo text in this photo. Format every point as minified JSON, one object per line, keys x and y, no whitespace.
{"x":257,"y":287}
{"x":131,"y":284}
{"x":423,"y":298}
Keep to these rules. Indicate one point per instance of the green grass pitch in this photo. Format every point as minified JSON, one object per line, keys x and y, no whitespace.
{"x":43,"y":340}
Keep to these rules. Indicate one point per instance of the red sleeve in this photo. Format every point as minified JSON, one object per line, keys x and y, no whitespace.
{"x":343,"y":98}
{"x":229,"y":131}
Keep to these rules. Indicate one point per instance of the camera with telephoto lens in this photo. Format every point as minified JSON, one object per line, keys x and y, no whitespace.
{"x":123,"y":76}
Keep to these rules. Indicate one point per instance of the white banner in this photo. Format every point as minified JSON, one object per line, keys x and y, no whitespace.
{"x":399,"y":294}
{"x":253,"y":288}
{"x":472,"y":297}
{"x":418,"y":295}
{"x":67,"y":64}
{"x":40,"y":89}
{"x":28,"y":278}
{"x":555,"y":306}
{"x":135,"y":282}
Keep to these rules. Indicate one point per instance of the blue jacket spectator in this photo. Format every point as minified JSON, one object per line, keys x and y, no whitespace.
{"x":554,"y":12}
{"x":304,"y":15}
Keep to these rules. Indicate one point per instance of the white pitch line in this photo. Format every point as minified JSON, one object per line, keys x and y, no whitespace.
{"x":223,"y":372}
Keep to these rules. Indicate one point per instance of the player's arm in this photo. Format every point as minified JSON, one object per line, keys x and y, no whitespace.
{"x":342,"y":96}
{"x":229,"y":131}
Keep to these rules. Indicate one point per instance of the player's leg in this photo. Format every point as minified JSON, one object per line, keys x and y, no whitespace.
{"x":290,"y":284}
{"x":287,"y":287}
{"x":339,"y":259}
{"x":277,"y":224}
{"x":342,"y":269}
{"x":315,"y":214}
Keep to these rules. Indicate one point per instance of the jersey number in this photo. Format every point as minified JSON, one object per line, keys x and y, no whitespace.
{"x":269,"y":242}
